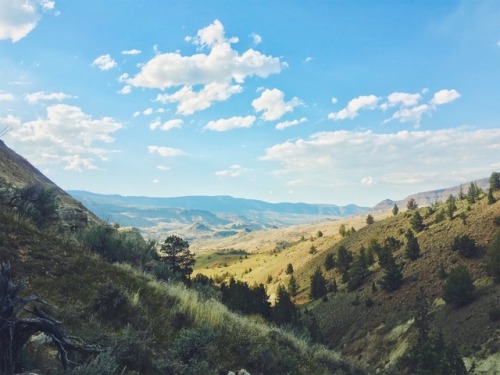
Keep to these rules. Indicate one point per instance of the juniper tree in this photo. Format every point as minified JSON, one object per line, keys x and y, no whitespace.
{"x":459,"y":288}
{"x":395,"y":209}
{"x":412,"y":249}
{"x":175,"y":252}
{"x":284,"y":311}
{"x":492,"y":259}
{"x":344,"y":260}
{"x":417,"y":223}
{"x":289,"y":269}
{"x":317,"y":285}
{"x":342,"y":230}
{"x":495,"y":181}
{"x":393,"y":276}
{"x":369,"y":219}
{"x":293,"y":286}
{"x":451,"y":206}
{"x":329,"y":262}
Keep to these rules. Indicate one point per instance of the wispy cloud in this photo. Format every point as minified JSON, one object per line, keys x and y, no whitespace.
{"x":354,"y":106}
{"x":287,"y":124}
{"x":234,"y":170}
{"x":165,"y":152}
{"x":104,"y":62}
{"x":236,"y":122}
{"x":131,"y":52}
{"x":39,"y":96}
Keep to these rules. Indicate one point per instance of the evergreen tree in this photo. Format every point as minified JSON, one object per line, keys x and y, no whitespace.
{"x":411,"y":204}
{"x":412,"y":250}
{"x":393,"y":276}
{"x":465,"y":246}
{"x":451,"y":206}
{"x":491,"y":197}
{"x":289,"y":269}
{"x":369,"y":219}
{"x":417,"y":223}
{"x":293,"y":286}
{"x":318,"y":285}
{"x":395,"y":209}
{"x":459,"y":287}
{"x":344,"y":260}
{"x":284,"y":311}
{"x":319,"y":234}
{"x":175,"y":253}
{"x":473,"y":193}
{"x":492,"y":259}
{"x":370,"y":258}
{"x":329,"y":262}
{"x":495,"y":181}
{"x":358,"y":270}
{"x":342,"y":230}
{"x":461,"y":194}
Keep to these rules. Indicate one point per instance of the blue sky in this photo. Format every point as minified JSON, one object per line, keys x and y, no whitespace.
{"x":314,"y":101}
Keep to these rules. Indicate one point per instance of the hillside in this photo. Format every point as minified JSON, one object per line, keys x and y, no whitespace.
{"x":374,"y":328}
{"x":101,"y":283}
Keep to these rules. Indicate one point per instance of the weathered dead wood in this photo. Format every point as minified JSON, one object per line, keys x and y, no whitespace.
{"x":15,"y":331}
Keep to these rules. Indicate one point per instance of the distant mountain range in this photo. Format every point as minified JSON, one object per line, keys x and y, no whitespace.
{"x":201,"y":217}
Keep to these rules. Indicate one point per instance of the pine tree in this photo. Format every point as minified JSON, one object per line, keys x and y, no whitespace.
{"x":342,"y":230}
{"x":358,"y":271}
{"x":369,"y":219}
{"x":461,"y":194}
{"x":451,"y":206}
{"x":293,"y":286}
{"x":344,"y":260}
{"x":395,"y":209}
{"x":175,"y":252}
{"x":289,"y":269}
{"x":411,"y":204}
{"x":417,"y":223}
{"x":492,"y":259}
{"x":491,"y":197}
{"x":393,"y":276}
{"x":329,"y":262}
{"x":495,"y":181}
{"x":318,"y":285}
{"x":284,"y":311}
{"x":412,"y":250}
{"x":459,"y":287}
{"x":465,"y":246}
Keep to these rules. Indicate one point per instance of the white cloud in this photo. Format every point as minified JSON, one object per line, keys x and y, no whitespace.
{"x":127,"y":89}
{"x":131,"y":52}
{"x":163,"y":168}
{"x":172,"y":124}
{"x":6,"y":96}
{"x":147,"y":111}
{"x":230,"y":123}
{"x":334,"y":100}
{"x":444,"y":96}
{"x":136,"y":114}
{"x":445,"y":157}
{"x":216,"y":71}
{"x":287,"y":124}
{"x":19,"y":18}
{"x":257,"y":39}
{"x":354,"y":106}
{"x":104,"y":62}
{"x":36,"y":97}
{"x":401,"y":98}
{"x":272,"y":103}
{"x":165,"y":151}
{"x":191,"y":101}
{"x":234,"y":170}
{"x":66,"y":136}
{"x":308,"y":59}
{"x":155,"y":124}
{"x":413,"y":114}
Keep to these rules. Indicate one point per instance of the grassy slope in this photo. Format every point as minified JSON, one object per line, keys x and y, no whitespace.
{"x":377,"y":335}
{"x":68,"y":277}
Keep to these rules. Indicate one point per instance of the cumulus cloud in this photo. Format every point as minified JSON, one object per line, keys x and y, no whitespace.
{"x":401,"y":98}
{"x":394,"y":159}
{"x":223,"y":125}
{"x":287,"y":124}
{"x":19,"y":18}
{"x":131,"y":52}
{"x":272,"y":103}
{"x":354,"y":106}
{"x":147,"y":111}
{"x":104,"y":62}
{"x":67,"y":135}
{"x":191,"y":101}
{"x":165,"y":152}
{"x":220,"y":71}
{"x":125,"y":90}
{"x":444,"y":96}
{"x":39,"y":96}
{"x":234,"y":170}
{"x":172,"y":124}
{"x":334,"y":100}
{"x":413,"y":115}
{"x":6,"y":96}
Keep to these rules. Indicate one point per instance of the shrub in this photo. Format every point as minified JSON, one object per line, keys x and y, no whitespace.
{"x":113,"y":304}
{"x":465,"y":246}
{"x":459,"y":288}
{"x":492,"y":259}
{"x":494,"y":314}
{"x":103,"y":364}
{"x":369,"y":219}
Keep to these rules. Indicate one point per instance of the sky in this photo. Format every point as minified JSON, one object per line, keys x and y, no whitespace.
{"x":333,"y":102}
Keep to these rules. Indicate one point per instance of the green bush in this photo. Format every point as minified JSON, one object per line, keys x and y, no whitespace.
{"x":459,"y":288}
{"x":113,"y":304}
{"x":103,"y":364}
{"x":494,"y":314}
{"x":465,"y":246}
